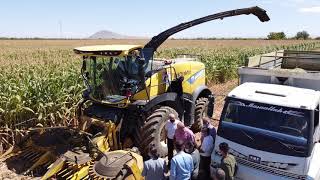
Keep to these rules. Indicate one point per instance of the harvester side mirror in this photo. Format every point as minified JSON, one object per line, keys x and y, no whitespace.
{"x":148,"y":74}
{"x":181,"y":78}
{"x":141,"y":61}
{"x":87,"y":75}
{"x":84,"y":65}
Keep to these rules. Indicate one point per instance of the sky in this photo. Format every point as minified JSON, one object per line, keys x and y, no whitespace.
{"x":146,"y":18}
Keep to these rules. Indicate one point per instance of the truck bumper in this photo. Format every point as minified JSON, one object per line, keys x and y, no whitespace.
{"x":247,"y":173}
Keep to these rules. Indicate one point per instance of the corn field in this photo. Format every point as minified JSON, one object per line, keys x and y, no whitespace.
{"x":43,"y":84}
{"x":38,"y":85}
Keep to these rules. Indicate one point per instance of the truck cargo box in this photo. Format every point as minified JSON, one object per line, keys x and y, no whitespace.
{"x":293,"y":68}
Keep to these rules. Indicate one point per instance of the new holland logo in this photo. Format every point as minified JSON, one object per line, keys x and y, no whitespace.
{"x":194,"y":77}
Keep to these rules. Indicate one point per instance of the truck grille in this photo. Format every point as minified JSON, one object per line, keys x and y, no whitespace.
{"x":263,"y":166}
{"x":268,"y":169}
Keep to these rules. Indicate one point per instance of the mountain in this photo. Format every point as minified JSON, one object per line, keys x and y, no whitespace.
{"x":110,"y":35}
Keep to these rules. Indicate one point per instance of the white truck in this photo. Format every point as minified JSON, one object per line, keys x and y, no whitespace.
{"x":271,"y":120}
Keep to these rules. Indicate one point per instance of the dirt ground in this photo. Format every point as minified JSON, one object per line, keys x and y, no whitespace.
{"x":6,"y":174}
{"x":219,"y":90}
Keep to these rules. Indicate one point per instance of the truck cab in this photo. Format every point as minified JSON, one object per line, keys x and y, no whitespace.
{"x":271,"y":120}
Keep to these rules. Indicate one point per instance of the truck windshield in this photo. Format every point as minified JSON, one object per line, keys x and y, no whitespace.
{"x":258,"y":124}
{"x":109,"y":78}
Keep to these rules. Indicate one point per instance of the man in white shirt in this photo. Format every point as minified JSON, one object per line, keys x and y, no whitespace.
{"x":170,"y":129}
{"x":205,"y":152}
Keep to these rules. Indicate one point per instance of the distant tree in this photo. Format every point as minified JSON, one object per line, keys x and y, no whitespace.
{"x":276,"y":35}
{"x":317,"y":38}
{"x":302,"y":35}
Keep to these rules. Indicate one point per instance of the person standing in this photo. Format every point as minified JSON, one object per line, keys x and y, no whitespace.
{"x":219,"y":175}
{"x":194,"y":152}
{"x":207,"y":124}
{"x":155,"y":167}
{"x":228,"y":162}
{"x":181,"y":164}
{"x":205,"y":152}
{"x":184,"y":134}
{"x":170,"y":129}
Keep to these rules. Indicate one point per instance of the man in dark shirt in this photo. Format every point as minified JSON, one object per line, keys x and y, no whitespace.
{"x":228,"y":162}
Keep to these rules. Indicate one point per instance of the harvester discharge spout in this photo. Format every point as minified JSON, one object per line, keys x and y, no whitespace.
{"x":157,"y":40}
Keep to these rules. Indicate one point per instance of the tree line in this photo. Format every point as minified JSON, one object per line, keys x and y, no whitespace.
{"x":302,"y":35}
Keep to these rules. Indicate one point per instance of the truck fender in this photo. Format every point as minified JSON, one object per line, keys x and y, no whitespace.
{"x":314,"y":166}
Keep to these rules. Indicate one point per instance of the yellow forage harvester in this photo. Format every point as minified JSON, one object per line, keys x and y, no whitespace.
{"x":128,"y":98}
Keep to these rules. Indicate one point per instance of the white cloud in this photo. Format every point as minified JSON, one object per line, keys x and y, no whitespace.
{"x":315,"y":9}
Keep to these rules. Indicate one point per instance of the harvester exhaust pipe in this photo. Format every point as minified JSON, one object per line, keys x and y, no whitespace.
{"x":156,"y":41}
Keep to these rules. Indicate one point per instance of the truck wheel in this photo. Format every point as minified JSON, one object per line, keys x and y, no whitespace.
{"x":153,"y":131}
{"x":201,"y":111}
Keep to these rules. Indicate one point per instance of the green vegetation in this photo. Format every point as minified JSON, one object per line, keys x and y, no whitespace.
{"x":43,"y":85}
{"x":39,"y":85}
{"x":276,"y":36}
{"x":302,"y":35}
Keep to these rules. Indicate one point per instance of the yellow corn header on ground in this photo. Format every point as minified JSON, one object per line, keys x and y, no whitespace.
{"x":73,"y":154}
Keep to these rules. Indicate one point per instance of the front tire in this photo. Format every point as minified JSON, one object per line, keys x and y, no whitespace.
{"x":201,"y":111}
{"x":153,"y":131}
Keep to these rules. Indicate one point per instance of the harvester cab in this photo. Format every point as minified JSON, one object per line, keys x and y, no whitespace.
{"x":128,"y":98}
{"x":112,"y":73}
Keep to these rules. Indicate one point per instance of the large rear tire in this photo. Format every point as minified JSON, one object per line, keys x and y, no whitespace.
{"x":153,"y":131}
{"x":201,"y":111}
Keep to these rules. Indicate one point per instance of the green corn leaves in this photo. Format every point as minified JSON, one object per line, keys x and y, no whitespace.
{"x":42,"y":85}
